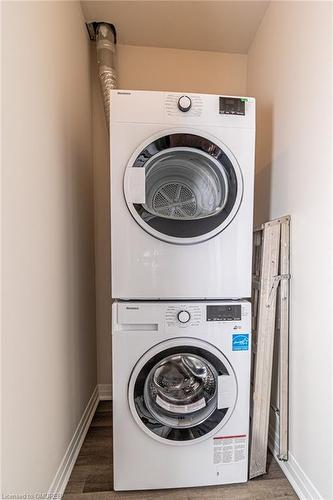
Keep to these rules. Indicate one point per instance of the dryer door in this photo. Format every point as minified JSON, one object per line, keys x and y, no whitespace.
{"x":182,"y":390}
{"x":183,"y":188}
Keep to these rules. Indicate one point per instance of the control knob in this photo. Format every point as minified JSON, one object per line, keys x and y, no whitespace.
{"x":183,"y":316}
{"x":184,"y":103}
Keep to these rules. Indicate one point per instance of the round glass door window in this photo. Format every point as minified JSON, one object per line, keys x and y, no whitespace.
{"x":183,"y":188}
{"x":182,"y":393}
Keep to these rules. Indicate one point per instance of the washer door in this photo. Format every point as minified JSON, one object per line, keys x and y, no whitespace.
{"x":183,"y":188}
{"x":182,"y":390}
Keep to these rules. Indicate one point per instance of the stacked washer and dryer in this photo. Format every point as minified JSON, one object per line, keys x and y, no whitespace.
{"x":182,"y":171}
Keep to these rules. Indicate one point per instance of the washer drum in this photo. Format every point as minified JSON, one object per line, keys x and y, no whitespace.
{"x":181,"y":390}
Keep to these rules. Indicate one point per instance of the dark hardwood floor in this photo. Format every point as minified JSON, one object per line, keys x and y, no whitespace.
{"x":91,"y":478}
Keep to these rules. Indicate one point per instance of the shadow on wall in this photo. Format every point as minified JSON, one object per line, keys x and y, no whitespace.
{"x":78,"y":220}
{"x":263,"y":169}
{"x":262,"y":211}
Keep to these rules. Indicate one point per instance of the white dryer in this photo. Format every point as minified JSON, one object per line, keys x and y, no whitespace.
{"x":182,"y":170}
{"x":181,"y":387}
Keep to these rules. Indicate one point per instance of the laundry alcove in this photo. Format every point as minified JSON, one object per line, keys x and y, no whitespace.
{"x":56,"y":279}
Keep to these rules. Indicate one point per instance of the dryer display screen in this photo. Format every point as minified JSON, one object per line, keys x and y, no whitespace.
{"x":232,"y":106}
{"x":230,"y":312}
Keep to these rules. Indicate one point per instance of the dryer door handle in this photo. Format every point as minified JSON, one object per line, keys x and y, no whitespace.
{"x":226,"y":391}
{"x":135,"y":181}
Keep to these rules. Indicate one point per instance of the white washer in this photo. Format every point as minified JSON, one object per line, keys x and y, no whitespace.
{"x":181,"y":383}
{"x":182,"y":169}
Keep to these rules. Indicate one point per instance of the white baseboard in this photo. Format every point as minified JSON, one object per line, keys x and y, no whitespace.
{"x":301,"y":483}
{"x":64,"y":471}
{"x":104,"y":391}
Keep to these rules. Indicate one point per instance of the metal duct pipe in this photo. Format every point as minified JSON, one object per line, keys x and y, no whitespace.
{"x":106,"y":47}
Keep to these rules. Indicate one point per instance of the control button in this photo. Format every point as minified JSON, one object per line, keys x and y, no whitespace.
{"x":184,"y":103}
{"x":183,"y":316}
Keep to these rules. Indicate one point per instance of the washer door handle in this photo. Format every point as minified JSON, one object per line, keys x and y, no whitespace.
{"x":226,"y":391}
{"x":135,"y":184}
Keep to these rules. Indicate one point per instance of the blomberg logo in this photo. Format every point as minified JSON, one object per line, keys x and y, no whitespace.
{"x":124,"y":93}
{"x":134,"y":308}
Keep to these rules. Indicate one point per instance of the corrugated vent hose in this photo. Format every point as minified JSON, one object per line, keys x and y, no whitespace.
{"x":106,"y":47}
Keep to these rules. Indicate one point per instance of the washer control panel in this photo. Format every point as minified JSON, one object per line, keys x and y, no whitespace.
{"x":225,"y":312}
{"x":184,"y":316}
{"x":181,"y":316}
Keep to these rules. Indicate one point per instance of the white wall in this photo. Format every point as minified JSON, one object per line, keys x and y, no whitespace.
{"x":147,"y":68}
{"x":48,"y":348}
{"x":151,"y":68}
{"x":289,"y":72}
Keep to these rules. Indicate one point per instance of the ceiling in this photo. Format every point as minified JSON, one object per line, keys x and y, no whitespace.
{"x":197,"y":25}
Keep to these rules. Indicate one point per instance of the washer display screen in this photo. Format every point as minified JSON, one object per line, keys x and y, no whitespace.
{"x":230,"y":312}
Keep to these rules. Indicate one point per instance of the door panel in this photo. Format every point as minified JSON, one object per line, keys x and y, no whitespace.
{"x":193,"y":188}
{"x":182,"y":393}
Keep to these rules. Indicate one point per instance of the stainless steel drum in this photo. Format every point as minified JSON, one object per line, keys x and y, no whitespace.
{"x":180,"y":391}
{"x":185,"y":184}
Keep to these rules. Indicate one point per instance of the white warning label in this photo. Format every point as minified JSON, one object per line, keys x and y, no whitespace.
{"x":229,"y":449}
{"x":181,"y":408}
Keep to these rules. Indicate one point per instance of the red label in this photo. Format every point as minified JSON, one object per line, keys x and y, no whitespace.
{"x":230,"y":437}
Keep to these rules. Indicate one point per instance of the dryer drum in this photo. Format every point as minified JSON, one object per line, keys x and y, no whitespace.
{"x":185,"y":184}
{"x":190,"y":189}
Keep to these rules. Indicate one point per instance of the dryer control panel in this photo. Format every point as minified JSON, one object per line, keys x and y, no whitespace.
{"x":232,"y":105}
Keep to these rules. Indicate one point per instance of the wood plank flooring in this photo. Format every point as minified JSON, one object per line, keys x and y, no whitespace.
{"x":91,"y":478}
